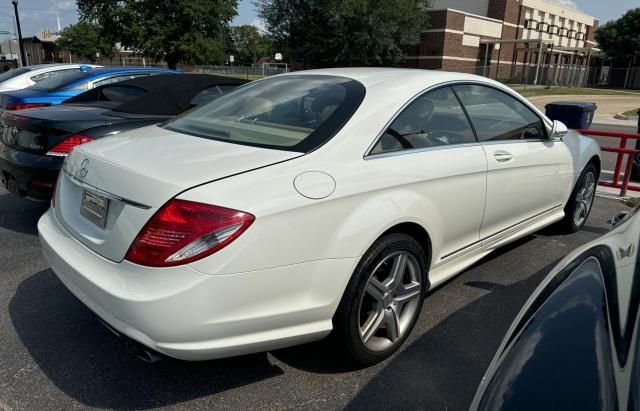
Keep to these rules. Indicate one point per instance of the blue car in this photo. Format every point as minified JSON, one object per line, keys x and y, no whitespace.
{"x":58,"y":89}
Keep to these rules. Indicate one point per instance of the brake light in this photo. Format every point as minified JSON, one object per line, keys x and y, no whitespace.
{"x":184,"y":231}
{"x":24,"y":106}
{"x":63,"y":148}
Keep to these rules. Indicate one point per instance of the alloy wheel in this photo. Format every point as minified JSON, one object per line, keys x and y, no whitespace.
{"x":390,"y":301}
{"x":584,"y":199}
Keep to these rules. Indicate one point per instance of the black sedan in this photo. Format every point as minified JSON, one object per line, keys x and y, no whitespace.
{"x":36,"y":141}
{"x":575,"y":345}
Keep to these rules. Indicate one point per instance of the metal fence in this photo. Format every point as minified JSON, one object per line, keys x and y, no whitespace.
{"x":247,"y":72}
{"x":565,"y":75}
{"x":250,"y":73}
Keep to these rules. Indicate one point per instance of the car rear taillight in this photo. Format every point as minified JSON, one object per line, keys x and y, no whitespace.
{"x":24,"y":106}
{"x":184,"y":231}
{"x":63,"y":148}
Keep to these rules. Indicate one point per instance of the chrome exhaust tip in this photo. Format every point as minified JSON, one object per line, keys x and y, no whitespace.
{"x":142,"y":353}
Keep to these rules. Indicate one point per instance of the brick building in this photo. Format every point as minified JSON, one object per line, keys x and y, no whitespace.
{"x":515,"y":29}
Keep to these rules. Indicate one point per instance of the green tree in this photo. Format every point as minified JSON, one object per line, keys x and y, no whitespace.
{"x":250,"y":44}
{"x":620,"y":39}
{"x":180,"y":31}
{"x":83,"y":39}
{"x":325,"y":33}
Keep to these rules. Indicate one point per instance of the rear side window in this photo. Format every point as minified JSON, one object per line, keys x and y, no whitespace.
{"x":13,"y":73}
{"x":51,"y":74}
{"x":61,"y":81}
{"x":120,"y":94}
{"x":292,"y":113}
{"x":433,"y":119}
{"x":498,"y":116}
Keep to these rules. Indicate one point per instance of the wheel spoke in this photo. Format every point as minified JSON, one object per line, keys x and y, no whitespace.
{"x":392,"y":323}
{"x":372,"y":325}
{"x":376,"y":289}
{"x":589,"y":190}
{"x":407,"y":293}
{"x":397,"y":271}
{"x":579,"y":212}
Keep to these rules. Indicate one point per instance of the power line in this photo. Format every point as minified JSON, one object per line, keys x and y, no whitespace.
{"x":47,"y":10}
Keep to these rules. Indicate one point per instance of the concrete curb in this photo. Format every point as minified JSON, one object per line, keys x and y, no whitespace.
{"x":621,"y":116}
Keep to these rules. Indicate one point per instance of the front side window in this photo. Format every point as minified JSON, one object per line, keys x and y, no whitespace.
{"x":434,"y":119}
{"x":293,"y":112}
{"x":497,"y":116}
{"x":115,"y":79}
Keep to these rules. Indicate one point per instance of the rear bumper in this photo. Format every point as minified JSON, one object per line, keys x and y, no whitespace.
{"x":29,"y":175}
{"x":186,"y":314}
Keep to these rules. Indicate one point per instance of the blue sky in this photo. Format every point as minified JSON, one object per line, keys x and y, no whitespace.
{"x":36,"y":15}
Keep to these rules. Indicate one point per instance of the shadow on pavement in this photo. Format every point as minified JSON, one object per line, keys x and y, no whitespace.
{"x":20,"y":215}
{"x":441,"y":369}
{"x":84,"y":360}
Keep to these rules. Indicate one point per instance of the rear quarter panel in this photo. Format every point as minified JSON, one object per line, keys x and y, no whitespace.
{"x":369,"y":199}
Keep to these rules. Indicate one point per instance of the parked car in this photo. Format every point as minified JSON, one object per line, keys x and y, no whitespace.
{"x":308,"y":202}
{"x":57,"y":89}
{"x":27,"y":76}
{"x":576,"y":342}
{"x":35,"y":141}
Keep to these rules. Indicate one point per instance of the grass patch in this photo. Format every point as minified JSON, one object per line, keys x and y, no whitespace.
{"x":565,"y":91}
{"x":631,"y":113}
{"x":631,"y":201}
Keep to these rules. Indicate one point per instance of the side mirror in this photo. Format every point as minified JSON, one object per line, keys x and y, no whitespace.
{"x":615,"y":220}
{"x":558,"y":131}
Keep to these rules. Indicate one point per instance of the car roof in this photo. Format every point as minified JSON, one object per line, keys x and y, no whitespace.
{"x":391,"y":76}
{"x":109,"y":70}
{"x":56,"y":65}
{"x":99,"y":72}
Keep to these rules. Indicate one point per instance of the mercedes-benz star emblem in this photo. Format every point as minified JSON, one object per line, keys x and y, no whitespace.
{"x":84,"y":168}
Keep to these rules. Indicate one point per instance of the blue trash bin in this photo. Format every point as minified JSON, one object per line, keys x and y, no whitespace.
{"x":574,"y":114}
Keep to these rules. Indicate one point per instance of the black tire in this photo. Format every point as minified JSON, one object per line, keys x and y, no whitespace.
{"x":347,"y":318}
{"x":568,"y":224}
{"x":635,"y":170}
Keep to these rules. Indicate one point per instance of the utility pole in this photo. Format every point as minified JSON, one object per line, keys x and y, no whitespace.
{"x":22,"y":55}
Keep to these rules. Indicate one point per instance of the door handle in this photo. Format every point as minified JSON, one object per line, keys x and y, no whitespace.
{"x":502,"y":156}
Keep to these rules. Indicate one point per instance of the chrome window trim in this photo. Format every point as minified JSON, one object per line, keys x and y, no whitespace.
{"x":418,"y":150}
{"x":509,"y":92}
{"x":528,"y":140}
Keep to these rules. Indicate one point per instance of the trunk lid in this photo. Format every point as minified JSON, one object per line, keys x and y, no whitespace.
{"x":137,"y":172}
{"x":38,"y":130}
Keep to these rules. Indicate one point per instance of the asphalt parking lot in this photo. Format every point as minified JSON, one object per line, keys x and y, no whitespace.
{"x":55,"y":355}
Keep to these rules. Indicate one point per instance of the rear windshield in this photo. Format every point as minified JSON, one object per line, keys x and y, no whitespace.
{"x":292,"y":113}
{"x":58,"y":82}
{"x":120,"y":94}
{"x":13,"y":73}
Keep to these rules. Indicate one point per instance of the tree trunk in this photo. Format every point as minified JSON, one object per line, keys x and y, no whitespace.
{"x":171,"y":60}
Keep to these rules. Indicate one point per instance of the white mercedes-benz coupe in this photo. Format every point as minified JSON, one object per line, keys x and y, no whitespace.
{"x":306,"y":203}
